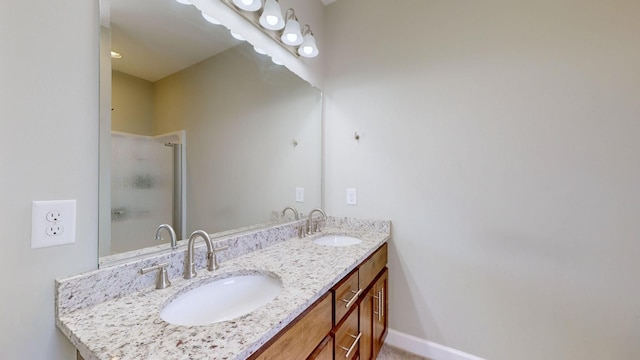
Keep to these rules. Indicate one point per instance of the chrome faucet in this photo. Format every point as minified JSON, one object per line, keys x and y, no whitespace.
{"x":172,"y":235}
{"x":295,"y":212}
{"x":212,"y":261}
{"x":310,"y":229}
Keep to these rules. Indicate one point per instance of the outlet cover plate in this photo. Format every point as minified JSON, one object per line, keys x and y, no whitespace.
{"x":45,"y":231}
{"x":352,"y":196}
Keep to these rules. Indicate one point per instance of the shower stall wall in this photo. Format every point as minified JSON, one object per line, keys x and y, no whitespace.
{"x":147,"y":177}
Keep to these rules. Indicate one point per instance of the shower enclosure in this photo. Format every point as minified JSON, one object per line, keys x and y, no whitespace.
{"x":147,"y":188}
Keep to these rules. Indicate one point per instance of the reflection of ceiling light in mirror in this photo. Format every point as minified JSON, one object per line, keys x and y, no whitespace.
{"x":116,"y":55}
{"x":271,"y":17}
{"x":184,"y":2}
{"x":210,"y":19}
{"x":259,"y":51}
{"x":237,"y":36}
{"x":248,"y":5}
{"x":284,"y":30}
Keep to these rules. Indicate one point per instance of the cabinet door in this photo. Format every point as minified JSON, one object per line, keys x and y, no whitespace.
{"x":380,"y":310}
{"x":366,"y":325}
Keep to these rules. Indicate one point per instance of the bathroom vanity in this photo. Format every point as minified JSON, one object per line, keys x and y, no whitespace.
{"x":333,"y":302}
{"x":349,"y":321}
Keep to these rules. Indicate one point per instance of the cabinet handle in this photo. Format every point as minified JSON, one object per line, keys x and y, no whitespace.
{"x":379,"y":312}
{"x":382,"y":303}
{"x":350,"y":349}
{"x":354,"y":298}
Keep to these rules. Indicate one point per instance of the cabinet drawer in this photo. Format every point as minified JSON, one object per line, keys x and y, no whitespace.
{"x":347,"y":337}
{"x":307,"y":331}
{"x":372,"y":266}
{"x":346,"y":296}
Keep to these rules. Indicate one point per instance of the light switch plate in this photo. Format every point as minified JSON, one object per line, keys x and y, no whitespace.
{"x":352,"y":196}
{"x":300,"y":194}
{"x":53,"y":223}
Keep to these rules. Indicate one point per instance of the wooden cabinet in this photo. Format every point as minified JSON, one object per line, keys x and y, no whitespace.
{"x":324,"y":351}
{"x":304,"y":334}
{"x":374,"y":304}
{"x":346,"y":295}
{"x":380,"y":310}
{"x":349,"y":322}
{"x":366,"y":325}
{"x":347,"y":337}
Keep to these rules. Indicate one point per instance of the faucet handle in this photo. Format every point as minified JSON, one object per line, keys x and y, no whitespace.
{"x":162,"y":279}
{"x":212,"y":260}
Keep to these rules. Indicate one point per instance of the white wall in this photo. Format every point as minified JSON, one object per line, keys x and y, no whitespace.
{"x":132,"y":104}
{"x":501,"y":138}
{"x":49,"y":150}
{"x":241,"y":113}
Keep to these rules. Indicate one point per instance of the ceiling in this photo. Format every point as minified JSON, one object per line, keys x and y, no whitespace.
{"x":160,"y":37}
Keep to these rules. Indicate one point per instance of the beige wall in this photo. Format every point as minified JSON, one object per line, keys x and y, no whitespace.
{"x":501,"y":138}
{"x":241,"y":113}
{"x":49,"y":115}
{"x":133,"y":104}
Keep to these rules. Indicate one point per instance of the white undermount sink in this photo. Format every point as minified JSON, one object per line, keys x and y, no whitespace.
{"x":222,"y":300}
{"x":337,"y":240}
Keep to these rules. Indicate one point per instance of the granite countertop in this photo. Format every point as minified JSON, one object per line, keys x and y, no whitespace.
{"x":130,"y":327}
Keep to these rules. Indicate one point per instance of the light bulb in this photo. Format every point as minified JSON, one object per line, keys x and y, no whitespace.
{"x":210,"y":19}
{"x":276,"y":61}
{"x":248,"y":5}
{"x":272,"y":20}
{"x":291,"y":34}
{"x":271,"y":17}
{"x":259,"y":51}
{"x":184,"y":2}
{"x":308,"y":48}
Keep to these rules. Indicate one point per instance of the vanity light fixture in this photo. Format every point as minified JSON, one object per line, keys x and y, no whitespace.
{"x":269,"y":20}
{"x":115,"y":55}
{"x":291,"y":34}
{"x":271,"y":17}
{"x":308,"y":48}
{"x":248,"y":5}
{"x":210,"y":19}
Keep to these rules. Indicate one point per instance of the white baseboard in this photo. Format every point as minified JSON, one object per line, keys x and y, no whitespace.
{"x":425,"y":348}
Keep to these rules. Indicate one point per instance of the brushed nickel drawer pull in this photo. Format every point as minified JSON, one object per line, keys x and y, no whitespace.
{"x":350,"y":349}
{"x":382,"y":303}
{"x":379,"y":312}
{"x":354,"y":298}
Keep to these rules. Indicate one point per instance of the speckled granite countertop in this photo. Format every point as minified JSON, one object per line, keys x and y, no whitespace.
{"x":130,"y":327}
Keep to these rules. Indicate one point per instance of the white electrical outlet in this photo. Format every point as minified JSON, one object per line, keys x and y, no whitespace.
{"x":53,"y":223}
{"x":300,"y":194}
{"x":352,"y":196}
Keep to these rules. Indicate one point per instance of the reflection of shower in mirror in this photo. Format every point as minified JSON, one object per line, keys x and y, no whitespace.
{"x":147,"y":175}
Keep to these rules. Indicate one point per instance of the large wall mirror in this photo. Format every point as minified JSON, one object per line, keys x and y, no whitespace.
{"x":198,"y":130}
